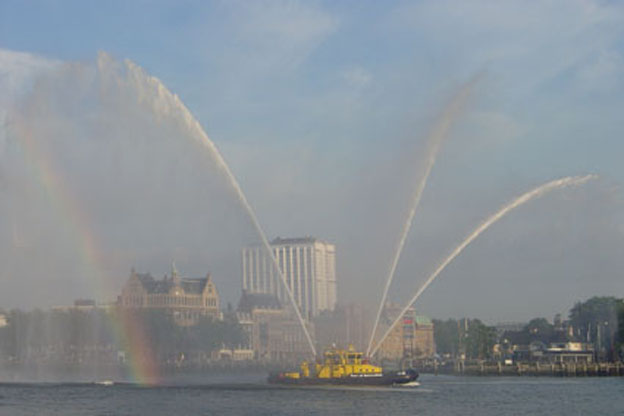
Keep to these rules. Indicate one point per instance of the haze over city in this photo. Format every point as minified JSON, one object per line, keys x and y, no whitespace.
{"x":324,"y":113}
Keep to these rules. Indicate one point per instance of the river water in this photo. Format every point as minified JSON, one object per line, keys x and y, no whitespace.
{"x":250,"y":395}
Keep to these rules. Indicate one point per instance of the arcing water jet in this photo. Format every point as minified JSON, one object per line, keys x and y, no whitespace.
{"x":152,"y":93}
{"x":535,"y":193}
{"x":437,"y":135}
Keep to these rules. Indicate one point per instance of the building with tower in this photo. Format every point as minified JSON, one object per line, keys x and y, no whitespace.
{"x":186,"y":299}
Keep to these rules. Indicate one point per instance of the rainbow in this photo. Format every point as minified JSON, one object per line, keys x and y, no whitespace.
{"x":128,"y":329}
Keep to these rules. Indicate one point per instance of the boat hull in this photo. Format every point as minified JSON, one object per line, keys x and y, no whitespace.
{"x":384,"y":379}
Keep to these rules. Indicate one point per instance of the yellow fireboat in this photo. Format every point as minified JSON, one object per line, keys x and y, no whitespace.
{"x":344,"y":367}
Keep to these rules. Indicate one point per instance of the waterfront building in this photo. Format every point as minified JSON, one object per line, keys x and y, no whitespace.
{"x":83,"y":305}
{"x":554,"y":353}
{"x":348,"y":324}
{"x":308,"y":265}
{"x":273,"y":333}
{"x":186,"y":299}
{"x":411,"y":337}
{"x":236,"y":354}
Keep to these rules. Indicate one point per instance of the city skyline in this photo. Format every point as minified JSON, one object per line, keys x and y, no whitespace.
{"x":310,"y":206}
{"x":323,"y":111}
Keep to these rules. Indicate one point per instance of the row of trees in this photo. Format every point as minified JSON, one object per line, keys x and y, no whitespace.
{"x":537,"y":330}
{"x":598,"y":321}
{"x":171,"y":342}
{"x":468,"y":337}
{"x":77,"y":336}
{"x":621,"y":329}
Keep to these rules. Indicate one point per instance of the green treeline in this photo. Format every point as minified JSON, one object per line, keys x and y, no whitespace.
{"x":469,"y":337}
{"x":598,"y":321}
{"x":621,"y":328}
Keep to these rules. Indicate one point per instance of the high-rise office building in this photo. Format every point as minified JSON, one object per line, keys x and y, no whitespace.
{"x":308,"y":265}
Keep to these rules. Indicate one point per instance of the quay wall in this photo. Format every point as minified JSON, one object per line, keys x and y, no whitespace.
{"x":615,"y":369}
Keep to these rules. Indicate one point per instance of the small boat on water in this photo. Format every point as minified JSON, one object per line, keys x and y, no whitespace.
{"x":344,"y":367}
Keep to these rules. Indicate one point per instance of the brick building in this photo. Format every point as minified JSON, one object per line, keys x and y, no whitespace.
{"x":411,"y":337}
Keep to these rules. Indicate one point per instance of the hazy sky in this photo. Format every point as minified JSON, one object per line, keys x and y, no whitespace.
{"x":322,"y":110}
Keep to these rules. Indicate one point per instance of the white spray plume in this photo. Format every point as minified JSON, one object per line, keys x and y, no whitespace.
{"x":440,"y":131}
{"x":535,"y":193}
{"x":151,"y":92}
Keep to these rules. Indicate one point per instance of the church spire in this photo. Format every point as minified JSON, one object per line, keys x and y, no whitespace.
{"x":175,"y":277}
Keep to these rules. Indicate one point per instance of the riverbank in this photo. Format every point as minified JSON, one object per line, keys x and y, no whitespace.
{"x":529,"y":369}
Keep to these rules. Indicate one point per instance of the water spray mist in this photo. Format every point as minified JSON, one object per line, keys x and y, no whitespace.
{"x":535,"y":193}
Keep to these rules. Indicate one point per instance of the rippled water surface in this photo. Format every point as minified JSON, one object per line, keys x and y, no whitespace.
{"x":437,"y":395}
